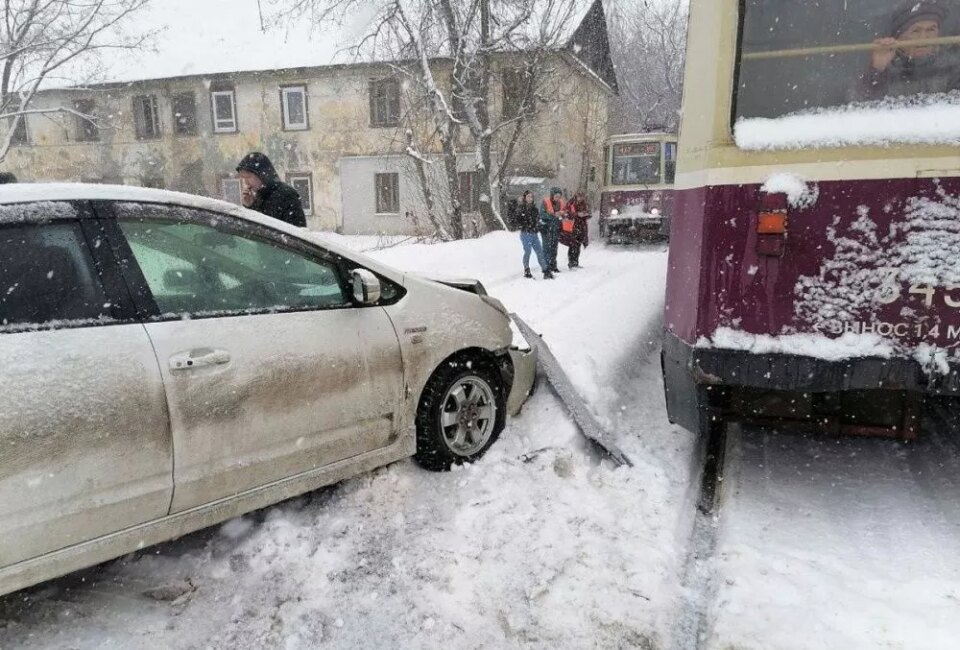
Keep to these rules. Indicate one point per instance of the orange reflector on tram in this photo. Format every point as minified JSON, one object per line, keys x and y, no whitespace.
{"x":772,"y":223}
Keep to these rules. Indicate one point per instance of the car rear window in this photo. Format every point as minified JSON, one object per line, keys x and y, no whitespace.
{"x":48,"y":278}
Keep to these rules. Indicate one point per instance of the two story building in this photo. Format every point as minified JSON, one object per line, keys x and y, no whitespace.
{"x":336,"y":132}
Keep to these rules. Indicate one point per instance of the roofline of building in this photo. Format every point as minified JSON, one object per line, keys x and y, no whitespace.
{"x":305,"y":71}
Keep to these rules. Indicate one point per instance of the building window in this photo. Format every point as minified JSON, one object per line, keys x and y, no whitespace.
{"x":86,"y":127}
{"x":303,"y":184}
{"x":184,"y":114}
{"x":230,"y":190}
{"x":20,"y":135}
{"x":154,"y":182}
{"x":384,"y":103}
{"x":515,"y":90}
{"x":146,"y":117}
{"x":224,"y":106}
{"x":470,"y":191}
{"x":293,"y":105}
{"x":388,"y":193}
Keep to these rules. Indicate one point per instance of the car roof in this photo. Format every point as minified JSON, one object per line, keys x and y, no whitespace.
{"x":14,"y":193}
{"x":31,"y":192}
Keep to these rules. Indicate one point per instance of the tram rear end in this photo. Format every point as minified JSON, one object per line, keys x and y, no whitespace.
{"x":814,"y":271}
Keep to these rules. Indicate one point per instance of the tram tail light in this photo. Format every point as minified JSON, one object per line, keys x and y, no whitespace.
{"x":772,"y":222}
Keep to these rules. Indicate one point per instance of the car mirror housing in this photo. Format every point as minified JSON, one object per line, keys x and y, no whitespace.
{"x":366,"y":287}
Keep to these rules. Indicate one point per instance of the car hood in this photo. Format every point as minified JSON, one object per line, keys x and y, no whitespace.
{"x":469,"y":285}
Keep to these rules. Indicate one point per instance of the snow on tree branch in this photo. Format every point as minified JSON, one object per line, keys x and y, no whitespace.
{"x":42,"y":41}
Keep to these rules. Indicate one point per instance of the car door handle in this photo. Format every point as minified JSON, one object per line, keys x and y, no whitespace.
{"x":200,"y":358}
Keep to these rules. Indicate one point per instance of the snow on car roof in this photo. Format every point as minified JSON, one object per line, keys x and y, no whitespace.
{"x":14,"y":193}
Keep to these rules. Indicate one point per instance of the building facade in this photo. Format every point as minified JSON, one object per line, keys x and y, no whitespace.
{"x":336,"y":133}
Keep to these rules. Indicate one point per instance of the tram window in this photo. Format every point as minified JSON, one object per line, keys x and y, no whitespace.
{"x":636,"y":163}
{"x":806,"y":55}
{"x":669,"y":162}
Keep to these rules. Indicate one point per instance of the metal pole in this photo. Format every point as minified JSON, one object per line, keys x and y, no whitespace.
{"x":841,"y":49}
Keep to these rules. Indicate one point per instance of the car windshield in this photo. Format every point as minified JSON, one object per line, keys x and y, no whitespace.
{"x":802,"y":56}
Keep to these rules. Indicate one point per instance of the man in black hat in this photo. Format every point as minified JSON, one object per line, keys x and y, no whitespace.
{"x":264,"y":192}
{"x":897,"y":70}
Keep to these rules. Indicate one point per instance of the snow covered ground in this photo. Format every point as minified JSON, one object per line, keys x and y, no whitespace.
{"x":821,"y":543}
{"x":538,"y":545}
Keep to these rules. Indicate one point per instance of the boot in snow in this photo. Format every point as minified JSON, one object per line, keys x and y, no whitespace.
{"x":547,"y":275}
{"x":527,"y":273}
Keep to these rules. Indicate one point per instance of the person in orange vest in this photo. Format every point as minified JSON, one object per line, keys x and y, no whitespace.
{"x":552,"y":210}
{"x":574,"y":230}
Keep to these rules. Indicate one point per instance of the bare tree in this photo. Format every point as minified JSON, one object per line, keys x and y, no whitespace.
{"x":56,"y":41}
{"x":649,"y":45}
{"x":453,"y":53}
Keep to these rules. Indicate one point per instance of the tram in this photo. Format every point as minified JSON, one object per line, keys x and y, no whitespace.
{"x":637,"y":196}
{"x":814,"y":269}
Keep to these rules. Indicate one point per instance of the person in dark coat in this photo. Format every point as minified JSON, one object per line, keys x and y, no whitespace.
{"x":896,"y":70}
{"x":264,"y":191}
{"x":7,"y":177}
{"x":552,"y":210}
{"x":574,"y":232}
{"x":528,"y":221}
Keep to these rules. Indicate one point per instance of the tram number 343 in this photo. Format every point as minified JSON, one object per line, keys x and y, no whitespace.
{"x":949,"y":294}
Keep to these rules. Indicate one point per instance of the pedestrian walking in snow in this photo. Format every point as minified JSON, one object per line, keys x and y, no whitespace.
{"x":574,"y":232}
{"x":528,"y":221}
{"x":551,"y":213}
{"x":264,"y":192}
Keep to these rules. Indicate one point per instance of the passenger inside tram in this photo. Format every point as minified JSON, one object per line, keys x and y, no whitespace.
{"x":798,"y":56}
{"x":897,"y":70}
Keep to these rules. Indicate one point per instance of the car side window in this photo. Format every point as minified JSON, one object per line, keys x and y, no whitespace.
{"x":206,"y":269}
{"x":48,"y":278}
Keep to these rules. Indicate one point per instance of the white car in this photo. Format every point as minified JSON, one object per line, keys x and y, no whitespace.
{"x":168,"y":362}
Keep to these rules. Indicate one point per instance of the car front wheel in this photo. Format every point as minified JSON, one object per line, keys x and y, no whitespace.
{"x":461,"y":414}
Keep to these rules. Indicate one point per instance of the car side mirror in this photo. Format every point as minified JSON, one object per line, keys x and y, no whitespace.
{"x":181,"y":278}
{"x":366,"y":287}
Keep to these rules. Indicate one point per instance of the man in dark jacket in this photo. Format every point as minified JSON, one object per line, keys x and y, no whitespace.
{"x":264,"y":192}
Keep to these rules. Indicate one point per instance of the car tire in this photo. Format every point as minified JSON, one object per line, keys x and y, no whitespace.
{"x":461,"y":414}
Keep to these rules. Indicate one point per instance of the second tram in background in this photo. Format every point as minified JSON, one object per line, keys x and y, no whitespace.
{"x":637,"y":199}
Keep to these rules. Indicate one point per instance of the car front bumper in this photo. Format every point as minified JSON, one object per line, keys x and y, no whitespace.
{"x":524,"y":365}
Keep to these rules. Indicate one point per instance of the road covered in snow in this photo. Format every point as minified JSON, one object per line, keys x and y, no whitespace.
{"x":820,"y":543}
{"x":539,"y":544}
